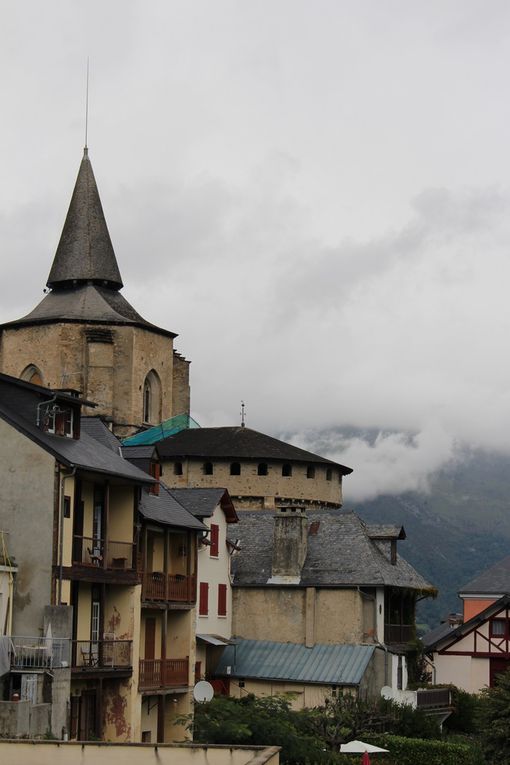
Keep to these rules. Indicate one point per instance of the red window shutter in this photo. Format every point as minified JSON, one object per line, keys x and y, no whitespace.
{"x":203,"y":605}
{"x":215,"y":538}
{"x":222,"y":600}
{"x":155,"y":469}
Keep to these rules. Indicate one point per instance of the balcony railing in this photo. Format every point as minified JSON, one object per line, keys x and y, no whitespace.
{"x":168,"y":587}
{"x":101,"y":654}
{"x":38,"y":653}
{"x":399,"y":633}
{"x":434,"y":698}
{"x":90,"y":551}
{"x":163,"y":673}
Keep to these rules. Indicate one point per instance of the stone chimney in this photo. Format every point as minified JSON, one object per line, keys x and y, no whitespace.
{"x":289,"y":545}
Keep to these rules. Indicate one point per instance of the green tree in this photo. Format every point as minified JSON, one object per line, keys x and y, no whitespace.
{"x":495,"y":721}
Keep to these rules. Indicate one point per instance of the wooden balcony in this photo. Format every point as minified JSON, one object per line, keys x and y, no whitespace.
{"x":168,"y":588}
{"x":157,"y":674}
{"x":95,"y":559}
{"x":399,"y":633}
{"x":102,"y":656}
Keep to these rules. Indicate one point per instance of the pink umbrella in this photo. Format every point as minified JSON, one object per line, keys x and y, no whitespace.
{"x":365,"y":760}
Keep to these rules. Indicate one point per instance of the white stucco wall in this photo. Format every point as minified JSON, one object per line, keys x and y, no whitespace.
{"x":215,"y":571}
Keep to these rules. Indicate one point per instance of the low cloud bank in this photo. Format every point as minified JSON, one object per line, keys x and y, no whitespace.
{"x":384,"y":463}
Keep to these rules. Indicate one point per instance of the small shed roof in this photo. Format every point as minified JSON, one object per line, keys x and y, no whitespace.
{"x":292,"y":662}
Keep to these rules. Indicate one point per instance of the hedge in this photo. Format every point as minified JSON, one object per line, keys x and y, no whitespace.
{"x":417,"y":751}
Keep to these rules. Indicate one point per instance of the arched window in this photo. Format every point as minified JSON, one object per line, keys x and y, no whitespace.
{"x":235,"y":468}
{"x":310,"y":471}
{"x":286,"y":470}
{"x":262,"y":468}
{"x":208,"y":468}
{"x":32,"y":374}
{"x":152,"y":399}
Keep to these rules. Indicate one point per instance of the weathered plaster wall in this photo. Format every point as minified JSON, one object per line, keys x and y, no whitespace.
{"x":76,"y":753}
{"x":337,"y":615}
{"x":27,"y":492}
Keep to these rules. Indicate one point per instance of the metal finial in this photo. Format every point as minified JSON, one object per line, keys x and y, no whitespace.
{"x":243,"y":414}
{"x":87,"y":107}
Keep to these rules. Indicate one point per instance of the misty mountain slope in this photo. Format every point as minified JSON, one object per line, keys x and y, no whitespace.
{"x":441,"y":548}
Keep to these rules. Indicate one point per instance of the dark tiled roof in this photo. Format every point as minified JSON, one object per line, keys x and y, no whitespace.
{"x":18,"y":407}
{"x":438,"y":633}
{"x":237,"y":443}
{"x":203,"y":502}
{"x":85,"y":250}
{"x":140,"y":452}
{"x":340,"y":553}
{"x":87,"y":304}
{"x":96,"y":428}
{"x":494,"y":581}
{"x":386,"y":532}
{"x":295,"y":663}
{"x":163,"y":508}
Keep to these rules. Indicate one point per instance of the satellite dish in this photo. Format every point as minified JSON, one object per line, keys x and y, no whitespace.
{"x":203,"y":691}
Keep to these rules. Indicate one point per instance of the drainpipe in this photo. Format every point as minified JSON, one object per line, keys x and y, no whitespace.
{"x":63,"y":477}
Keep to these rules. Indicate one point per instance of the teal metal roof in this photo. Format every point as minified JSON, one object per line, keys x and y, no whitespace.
{"x":163,"y":430}
{"x":324,"y":664}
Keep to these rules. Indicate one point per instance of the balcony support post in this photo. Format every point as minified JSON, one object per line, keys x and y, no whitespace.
{"x":166,"y":543}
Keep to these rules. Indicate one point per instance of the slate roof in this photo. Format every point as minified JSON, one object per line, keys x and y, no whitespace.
{"x":96,"y":428}
{"x":164,"y":508}
{"x":139,"y":452}
{"x":340,"y":553}
{"x":438,"y":633}
{"x":203,"y":502}
{"x":85,"y":250}
{"x":291,"y":662}
{"x":237,"y":443}
{"x":494,"y":581}
{"x":386,"y":532}
{"x":18,"y":407}
{"x":84,"y":277}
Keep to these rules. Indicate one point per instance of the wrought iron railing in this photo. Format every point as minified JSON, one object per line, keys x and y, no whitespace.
{"x":101,"y":654}
{"x":91,"y":551}
{"x":433,"y":698}
{"x":163,"y":673}
{"x":39,"y":653}
{"x":168,"y":587}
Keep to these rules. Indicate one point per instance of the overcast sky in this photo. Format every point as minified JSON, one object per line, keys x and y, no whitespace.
{"x":314,"y":195}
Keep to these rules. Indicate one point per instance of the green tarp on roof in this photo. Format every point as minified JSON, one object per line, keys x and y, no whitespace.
{"x":163,"y":430}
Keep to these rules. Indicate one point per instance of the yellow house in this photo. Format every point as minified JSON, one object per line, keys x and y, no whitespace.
{"x":103,"y":614}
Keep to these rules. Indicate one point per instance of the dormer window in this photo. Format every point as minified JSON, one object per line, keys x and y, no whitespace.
{"x":57,"y":419}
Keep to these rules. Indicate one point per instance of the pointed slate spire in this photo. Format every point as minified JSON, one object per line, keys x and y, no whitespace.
{"x":85,"y":251}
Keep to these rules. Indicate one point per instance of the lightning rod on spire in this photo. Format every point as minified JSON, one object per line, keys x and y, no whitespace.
{"x":243,"y":414}
{"x":87,"y":106}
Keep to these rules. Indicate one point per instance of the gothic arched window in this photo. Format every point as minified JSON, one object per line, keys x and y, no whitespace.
{"x":152,"y":399}
{"x":32,"y":374}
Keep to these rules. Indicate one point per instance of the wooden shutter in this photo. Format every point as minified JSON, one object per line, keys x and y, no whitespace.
{"x":203,"y":606}
{"x":222,"y":600}
{"x":215,"y":538}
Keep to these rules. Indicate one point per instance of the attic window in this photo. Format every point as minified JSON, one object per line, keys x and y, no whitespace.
{"x":235,"y":468}
{"x":286,"y":470}
{"x":208,"y":468}
{"x":57,"y":419}
{"x":177,"y":468}
{"x":262,"y":468}
{"x":310,"y":471}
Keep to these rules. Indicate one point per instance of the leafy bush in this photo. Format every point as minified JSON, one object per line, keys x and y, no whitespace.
{"x":494,"y":715}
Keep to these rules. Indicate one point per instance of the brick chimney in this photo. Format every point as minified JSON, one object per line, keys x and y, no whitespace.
{"x":289,"y":545}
